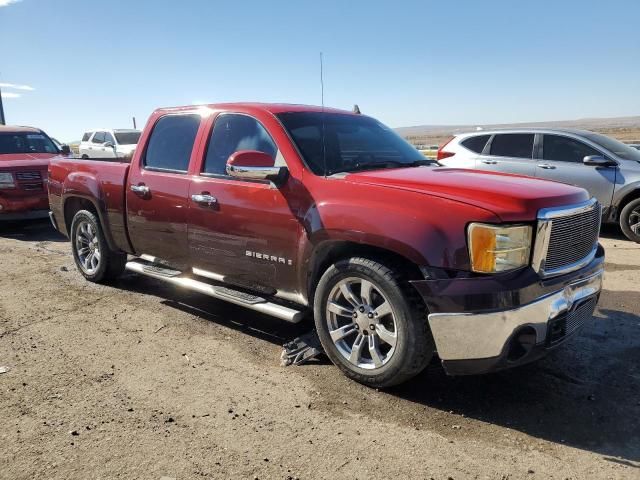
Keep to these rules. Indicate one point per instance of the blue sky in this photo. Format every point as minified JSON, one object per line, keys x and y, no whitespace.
{"x":93,"y":64}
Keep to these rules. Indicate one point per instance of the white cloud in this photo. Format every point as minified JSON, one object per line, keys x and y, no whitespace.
{"x":6,"y":3}
{"x":10,"y":94}
{"x":13,"y":85}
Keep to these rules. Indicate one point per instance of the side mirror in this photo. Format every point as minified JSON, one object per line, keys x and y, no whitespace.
{"x":254,"y":165}
{"x":65,"y":149}
{"x":598,"y":161}
{"x":108,"y":145}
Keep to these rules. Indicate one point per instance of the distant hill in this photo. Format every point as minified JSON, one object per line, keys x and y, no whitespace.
{"x":623,"y":128}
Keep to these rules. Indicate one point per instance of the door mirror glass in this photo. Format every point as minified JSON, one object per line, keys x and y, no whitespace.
{"x":255,"y":165}
{"x":597,"y":161}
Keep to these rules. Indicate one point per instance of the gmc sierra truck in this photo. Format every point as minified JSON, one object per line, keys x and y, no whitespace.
{"x":288,"y":209}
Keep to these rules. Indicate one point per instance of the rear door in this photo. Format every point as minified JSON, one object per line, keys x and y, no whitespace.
{"x":561,"y":159}
{"x":248,"y":233}
{"x":509,"y":153}
{"x":158,"y":189}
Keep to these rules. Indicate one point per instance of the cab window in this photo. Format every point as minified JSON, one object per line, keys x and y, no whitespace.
{"x":171,"y":142}
{"x":231,"y":133}
{"x":98,"y":138}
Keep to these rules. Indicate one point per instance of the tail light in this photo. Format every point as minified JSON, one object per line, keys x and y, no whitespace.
{"x":441,"y":153}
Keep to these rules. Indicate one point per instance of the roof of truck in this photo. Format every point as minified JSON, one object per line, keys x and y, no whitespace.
{"x":274,"y":108}
{"x":18,"y":128}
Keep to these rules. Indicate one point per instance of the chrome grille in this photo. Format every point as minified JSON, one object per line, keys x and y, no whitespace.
{"x":580,"y":315}
{"x":566,"y":238}
{"x":27,"y":176}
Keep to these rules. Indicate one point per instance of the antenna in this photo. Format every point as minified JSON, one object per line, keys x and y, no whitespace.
{"x":324,"y":151}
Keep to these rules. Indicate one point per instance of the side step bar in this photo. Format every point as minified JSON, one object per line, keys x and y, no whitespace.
{"x":243,"y":299}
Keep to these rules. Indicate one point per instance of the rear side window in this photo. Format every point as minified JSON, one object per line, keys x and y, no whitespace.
{"x":171,"y":143}
{"x":513,"y":145}
{"x":476,"y":144}
{"x":98,"y":138}
{"x":86,"y":136}
{"x":233,"y":132}
{"x":556,"y":147}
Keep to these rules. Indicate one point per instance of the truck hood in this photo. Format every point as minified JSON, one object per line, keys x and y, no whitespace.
{"x":510,"y":197}
{"x":19,"y":160}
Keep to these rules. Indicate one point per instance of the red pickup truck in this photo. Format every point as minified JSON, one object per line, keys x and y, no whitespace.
{"x":288,"y":209}
{"x":24,"y":158}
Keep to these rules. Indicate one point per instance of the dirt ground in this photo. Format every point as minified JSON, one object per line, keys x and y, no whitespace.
{"x":138,"y":380}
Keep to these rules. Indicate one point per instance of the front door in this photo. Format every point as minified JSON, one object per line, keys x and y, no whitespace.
{"x":561,"y":160}
{"x":509,"y":153}
{"x":242,"y":232}
{"x":158,"y":191}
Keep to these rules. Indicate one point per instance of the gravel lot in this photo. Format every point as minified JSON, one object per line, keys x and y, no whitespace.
{"x":138,"y":380}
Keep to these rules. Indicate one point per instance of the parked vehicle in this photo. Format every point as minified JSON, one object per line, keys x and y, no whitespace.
{"x":607,"y":168}
{"x":104,"y":143}
{"x":24,"y":158}
{"x":292,"y":209}
{"x":635,"y":145}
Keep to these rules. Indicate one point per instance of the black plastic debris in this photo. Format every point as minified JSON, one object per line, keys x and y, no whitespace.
{"x":301,"y":349}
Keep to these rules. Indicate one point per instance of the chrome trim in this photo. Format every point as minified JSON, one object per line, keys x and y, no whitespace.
{"x":207,"y":274}
{"x":467,"y":336}
{"x":289,"y":296}
{"x":52,"y":219}
{"x":543,"y":235}
{"x":253,"y":173}
{"x":275,"y":310}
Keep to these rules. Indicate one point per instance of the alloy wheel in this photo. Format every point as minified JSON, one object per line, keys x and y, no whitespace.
{"x":87,"y":247}
{"x":361,"y":323}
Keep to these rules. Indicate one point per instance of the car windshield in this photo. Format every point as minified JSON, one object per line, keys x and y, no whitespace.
{"x":350,"y":143}
{"x":23,"y":142}
{"x":127,"y":138}
{"x":620,"y":149}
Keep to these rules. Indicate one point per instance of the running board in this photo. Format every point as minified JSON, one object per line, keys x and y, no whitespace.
{"x":242,"y":299}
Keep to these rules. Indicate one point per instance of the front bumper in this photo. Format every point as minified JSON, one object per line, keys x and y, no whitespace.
{"x":484,"y":324}
{"x":24,"y":208}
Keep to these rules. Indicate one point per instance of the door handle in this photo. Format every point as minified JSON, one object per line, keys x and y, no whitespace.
{"x":141,"y":190}
{"x":489,"y":162}
{"x":204,"y":199}
{"x":546,"y":166}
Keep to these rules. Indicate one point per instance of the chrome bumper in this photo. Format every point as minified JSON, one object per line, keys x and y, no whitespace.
{"x":470,"y":336}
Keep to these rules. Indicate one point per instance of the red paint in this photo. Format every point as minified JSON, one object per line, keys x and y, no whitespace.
{"x":28,"y":195}
{"x":268,"y":237}
{"x":250,"y":158}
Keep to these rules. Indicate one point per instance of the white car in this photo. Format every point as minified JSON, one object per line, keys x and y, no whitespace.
{"x":105,"y":143}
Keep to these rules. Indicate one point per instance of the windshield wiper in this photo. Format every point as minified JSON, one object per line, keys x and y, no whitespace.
{"x":385,"y":164}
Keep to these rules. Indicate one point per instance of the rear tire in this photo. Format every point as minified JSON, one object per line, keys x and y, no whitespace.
{"x":630,"y":220}
{"x":85,"y":156}
{"x":96,"y":262}
{"x":371,"y":324}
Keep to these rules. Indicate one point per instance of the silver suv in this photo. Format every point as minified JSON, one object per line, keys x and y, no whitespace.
{"x":607,"y":168}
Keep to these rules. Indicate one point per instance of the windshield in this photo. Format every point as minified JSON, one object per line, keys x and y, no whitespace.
{"x":620,"y":149}
{"x":127,"y":138}
{"x":23,"y":142}
{"x":351,"y":143}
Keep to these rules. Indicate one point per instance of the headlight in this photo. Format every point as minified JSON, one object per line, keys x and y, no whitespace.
{"x":496,"y":248}
{"x":6,"y":180}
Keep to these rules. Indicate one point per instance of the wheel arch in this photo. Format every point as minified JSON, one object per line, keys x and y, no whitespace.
{"x":74,"y":203}
{"x":628,"y":198}
{"x":331,"y":251}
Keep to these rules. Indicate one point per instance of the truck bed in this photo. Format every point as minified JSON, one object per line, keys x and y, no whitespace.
{"x":101,"y":181}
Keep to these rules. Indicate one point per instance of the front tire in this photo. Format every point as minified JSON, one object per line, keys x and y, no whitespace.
{"x":96,"y":262}
{"x":630,"y":220}
{"x":370,"y":324}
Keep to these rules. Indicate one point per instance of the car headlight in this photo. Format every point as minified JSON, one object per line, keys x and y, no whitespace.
{"x":495,"y":248}
{"x":6,"y":180}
